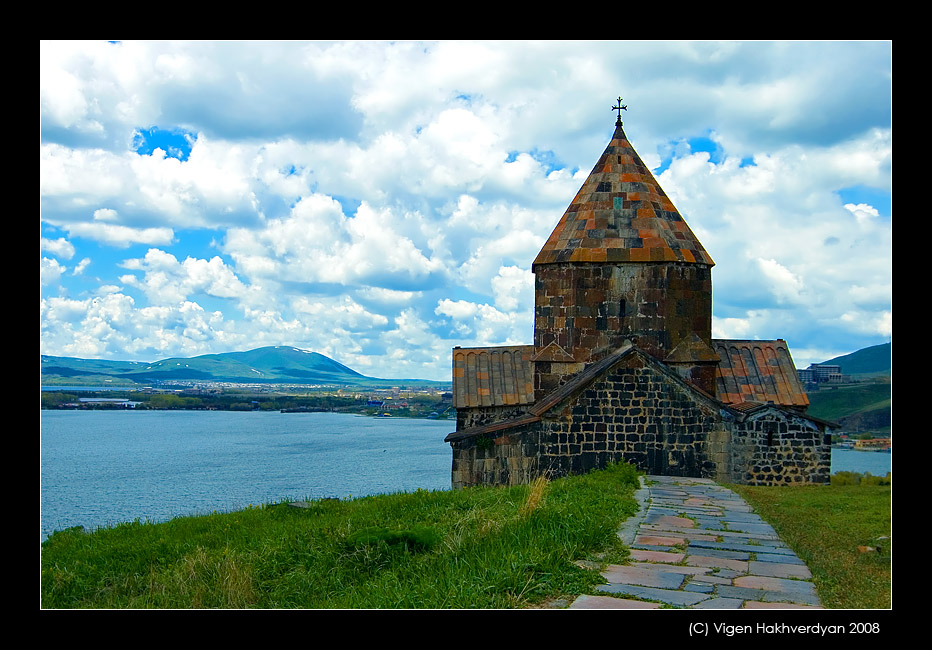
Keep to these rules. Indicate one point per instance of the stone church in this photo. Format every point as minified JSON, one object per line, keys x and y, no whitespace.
{"x":624,"y":366}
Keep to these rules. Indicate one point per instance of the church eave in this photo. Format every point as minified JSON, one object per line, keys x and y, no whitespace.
{"x":494,"y":427}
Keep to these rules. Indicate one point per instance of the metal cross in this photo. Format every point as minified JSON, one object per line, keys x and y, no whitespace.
{"x":620,"y":107}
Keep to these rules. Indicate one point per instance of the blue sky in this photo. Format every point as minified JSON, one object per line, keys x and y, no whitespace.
{"x":382,"y":202}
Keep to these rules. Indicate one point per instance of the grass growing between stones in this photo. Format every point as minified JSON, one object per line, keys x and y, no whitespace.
{"x":825,"y":526}
{"x":505,"y":547}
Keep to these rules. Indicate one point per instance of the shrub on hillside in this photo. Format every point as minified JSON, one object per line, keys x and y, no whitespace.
{"x":855,"y":478}
{"x":418,"y":538}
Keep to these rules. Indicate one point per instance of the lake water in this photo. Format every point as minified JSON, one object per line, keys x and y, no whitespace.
{"x":877,"y":463}
{"x":100,"y":468}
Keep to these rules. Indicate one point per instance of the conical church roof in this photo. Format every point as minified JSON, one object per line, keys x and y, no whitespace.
{"x":621,"y":214}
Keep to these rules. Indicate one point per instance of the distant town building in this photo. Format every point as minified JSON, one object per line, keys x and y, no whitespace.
{"x":874,"y":443}
{"x":821,"y":373}
{"x":112,"y":402}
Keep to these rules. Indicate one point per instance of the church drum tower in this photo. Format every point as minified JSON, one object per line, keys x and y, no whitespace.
{"x":621,"y":265}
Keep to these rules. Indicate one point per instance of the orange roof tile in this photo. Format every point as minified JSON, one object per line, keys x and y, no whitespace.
{"x":757,"y":371}
{"x":495,"y":376}
{"x":620,"y":198}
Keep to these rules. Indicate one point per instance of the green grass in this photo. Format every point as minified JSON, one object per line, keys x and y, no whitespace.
{"x":825,"y":525}
{"x":476,"y":548}
{"x":834,"y":403}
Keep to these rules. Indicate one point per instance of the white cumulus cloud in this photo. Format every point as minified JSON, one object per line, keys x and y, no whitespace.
{"x":380,"y":202}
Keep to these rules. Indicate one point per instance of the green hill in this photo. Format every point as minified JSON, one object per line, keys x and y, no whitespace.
{"x":860,"y":407}
{"x":865,"y":403}
{"x":874,"y":360}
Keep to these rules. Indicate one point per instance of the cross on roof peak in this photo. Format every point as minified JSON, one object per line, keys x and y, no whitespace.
{"x":619,"y":107}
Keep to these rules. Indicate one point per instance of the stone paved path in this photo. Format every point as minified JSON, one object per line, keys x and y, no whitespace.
{"x":697,"y":545}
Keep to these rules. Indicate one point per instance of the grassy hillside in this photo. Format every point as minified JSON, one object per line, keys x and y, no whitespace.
{"x":834,"y":403}
{"x":857,"y":408}
{"x":506,"y":547}
{"x":825,"y":525}
{"x":494,"y":547}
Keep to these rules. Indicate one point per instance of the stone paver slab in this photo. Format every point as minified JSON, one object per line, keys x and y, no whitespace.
{"x":755,"y":529}
{"x":710,"y":523}
{"x":656,"y":540}
{"x":738,"y":534}
{"x":610,"y":602}
{"x":656,"y":556}
{"x":743,"y":516}
{"x":663,"y":493}
{"x":673,"y":568}
{"x":775,"y":584}
{"x":668,"y":520}
{"x":782,"y":558}
{"x":795,"y":598}
{"x":756,"y":604}
{"x":651,"y":547}
{"x":718,"y":562}
{"x":714,"y":552}
{"x":712,"y":579}
{"x":720,"y":603}
{"x":675,"y":510}
{"x":767,"y":596}
{"x":651,"y":577}
{"x":779,"y":570}
{"x":689,"y":535}
{"x":747,"y":548}
{"x":680,"y":598}
{"x":728,"y":591}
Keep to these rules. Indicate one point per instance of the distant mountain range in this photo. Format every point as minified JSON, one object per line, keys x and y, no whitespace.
{"x":289,"y":365}
{"x":278,"y":364}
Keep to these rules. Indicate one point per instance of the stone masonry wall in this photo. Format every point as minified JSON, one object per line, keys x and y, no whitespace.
{"x":483,"y":415}
{"x":776,"y":447}
{"x":588,"y":309}
{"x":506,"y":457}
{"x":636,"y":414}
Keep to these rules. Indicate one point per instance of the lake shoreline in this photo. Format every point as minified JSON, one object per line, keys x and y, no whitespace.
{"x":105,"y":467}
{"x":435,"y":406}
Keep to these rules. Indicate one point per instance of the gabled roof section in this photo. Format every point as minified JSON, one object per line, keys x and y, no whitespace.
{"x":553,"y":398}
{"x":621,"y":214}
{"x":578,"y":383}
{"x":496,"y":376}
{"x":492,"y":428}
{"x":579,"y":380}
{"x":745,"y":409}
{"x":691,"y":348}
{"x":757,"y":371}
{"x":553,"y":352}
